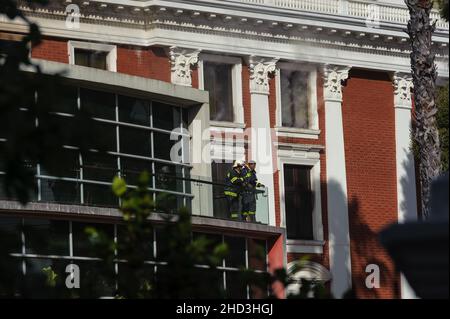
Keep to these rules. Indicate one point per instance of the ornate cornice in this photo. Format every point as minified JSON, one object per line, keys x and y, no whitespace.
{"x":182,"y":61}
{"x":334,"y":78}
{"x":403,"y":86}
{"x":260,"y":71}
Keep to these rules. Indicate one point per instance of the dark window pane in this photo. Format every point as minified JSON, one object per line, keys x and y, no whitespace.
{"x":132,"y":110}
{"x":91,"y":58}
{"x":11,"y":277}
{"x":10,"y":234}
{"x":99,"y":195}
{"x":257,"y":254}
{"x":130,"y":278}
{"x":299,"y":202}
{"x":99,"y":104}
{"x":61,"y":129}
{"x":218,"y":84}
{"x":162,"y":244}
{"x":168,"y":203}
{"x":103,"y":136}
{"x":236,"y":286}
{"x":99,"y":167}
{"x":47,"y":237}
{"x":126,"y":247}
{"x":132,"y":168}
{"x":236,"y":257}
{"x":135,"y":141}
{"x":96,"y":279}
{"x":66,"y":163}
{"x":169,"y":177}
{"x":211,"y":240}
{"x":165,"y":116}
{"x":163,"y":147}
{"x":185,"y":118}
{"x":36,"y":286}
{"x":56,"y":191}
{"x":82,"y":245}
{"x":68,"y":99}
{"x":2,"y":187}
{"x":295,"y":98}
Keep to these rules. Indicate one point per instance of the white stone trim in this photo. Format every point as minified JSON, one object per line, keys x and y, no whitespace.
{"x":334,"y":77}
{"x":309,"y":270}
{"x":260,"y":70}
{"x":111,"y":58}
{"x":297,"y":133}
{"x":337,"y":198}
{"x":305,"y":246}
{"x":228,"y":149}
{"x":182,"y":60}
{"x":405,"y":168}
{"x":312,"y":112}
{"x":238,"y":104}
{"x":302,"y":158}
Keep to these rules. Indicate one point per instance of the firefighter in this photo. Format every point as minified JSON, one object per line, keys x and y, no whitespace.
{"x":249,"y":191}
{"x":233,"y":189}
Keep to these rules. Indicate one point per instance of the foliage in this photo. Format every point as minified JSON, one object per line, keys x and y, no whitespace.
{"x":443,"y":7}
{"x":27,"y":97}
{"x":426,"y":134}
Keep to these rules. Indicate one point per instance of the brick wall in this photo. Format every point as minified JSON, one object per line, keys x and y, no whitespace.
{"x":369,"y":135}
{"x":55,"y":50}
{"x":152,"y":63}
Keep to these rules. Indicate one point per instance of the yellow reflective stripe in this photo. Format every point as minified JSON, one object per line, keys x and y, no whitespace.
{"x":234,"y":179}
{"x":234,"y":215}
{"x":251,"y":213}
{"x":230,"y":194}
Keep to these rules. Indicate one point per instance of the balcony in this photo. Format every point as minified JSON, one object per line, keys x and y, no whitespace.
{"x":384,"y":12}
{"x":202,"y":197}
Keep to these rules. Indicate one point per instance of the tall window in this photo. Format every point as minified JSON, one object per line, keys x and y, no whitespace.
{"x":295,"y":98}
{"x":36,"y":243}
{"x":127,"y":135}
{"x":91,"y":58}
{"x":298,"y":202}
{"x":218,"y":81}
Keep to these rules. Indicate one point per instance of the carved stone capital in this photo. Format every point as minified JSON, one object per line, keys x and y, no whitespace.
{"x":334,"y":78}
{"x":403,"y":85}
{"x":182,"y":61}
{"x":260,"y":70}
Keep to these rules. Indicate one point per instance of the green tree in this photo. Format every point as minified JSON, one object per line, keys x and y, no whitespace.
{"x":426,"y":134}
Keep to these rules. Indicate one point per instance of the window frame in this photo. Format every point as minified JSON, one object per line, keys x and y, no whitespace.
{"x":312,"y":159}
{"x":313,"y":131}
{"x":236,"y":85}
{"x":111,"y":58}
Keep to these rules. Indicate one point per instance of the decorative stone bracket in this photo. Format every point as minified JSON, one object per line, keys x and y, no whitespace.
{"x":334,"y":77}
{"x":403,"y":85}
{"x":182,"y":61}
{"x":260,"y":70}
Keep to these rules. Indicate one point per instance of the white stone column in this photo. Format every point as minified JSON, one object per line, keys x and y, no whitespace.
{"x":182,"y":61}
{"x":338,"y":224}
{"x":261,"y":134}
{"x":406,"y":174}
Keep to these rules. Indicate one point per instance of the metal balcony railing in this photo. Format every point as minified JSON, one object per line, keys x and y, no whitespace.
{"x":202,"y":197}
